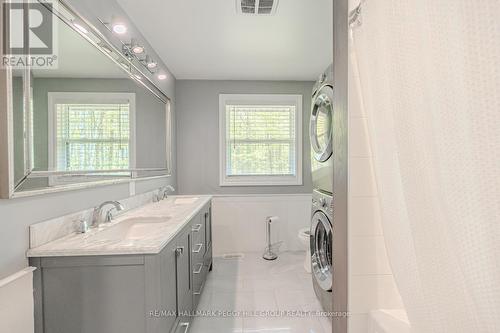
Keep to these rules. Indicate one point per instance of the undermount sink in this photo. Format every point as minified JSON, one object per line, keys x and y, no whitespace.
{"x":132,"y":228}
{"x":185,"y":201}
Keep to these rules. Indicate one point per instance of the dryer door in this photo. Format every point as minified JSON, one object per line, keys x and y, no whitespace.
{"x":321,"y":250}
{"x":321,"y":124}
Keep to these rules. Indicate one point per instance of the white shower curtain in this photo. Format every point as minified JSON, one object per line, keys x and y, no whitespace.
{"x":430,"y":81}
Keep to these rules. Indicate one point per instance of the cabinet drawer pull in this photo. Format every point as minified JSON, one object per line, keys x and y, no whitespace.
{"x":179,"y":250}
{"x":201,"y":289}
{"x":185,"y":325}
{"x":198,"y":248}
{"x":197,"y":227}
{"x":198,"y":271}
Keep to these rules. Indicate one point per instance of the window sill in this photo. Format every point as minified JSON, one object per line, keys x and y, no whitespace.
{"x":261,"y":181}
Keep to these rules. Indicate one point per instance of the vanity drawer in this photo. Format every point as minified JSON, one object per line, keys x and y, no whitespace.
{"x":199,"y":280}
{"x":197,"y":251}
{"x":198,"y":271}
{"x":198,"y":229}
{"x":207,"y":259}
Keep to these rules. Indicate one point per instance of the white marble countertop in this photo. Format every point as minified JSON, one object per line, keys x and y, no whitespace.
{"x":158,"y":223}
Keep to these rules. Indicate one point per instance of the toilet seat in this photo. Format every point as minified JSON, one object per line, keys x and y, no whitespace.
{"x":304,"y":236}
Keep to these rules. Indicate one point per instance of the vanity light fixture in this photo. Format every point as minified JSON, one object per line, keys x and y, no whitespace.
{"x":106,"y":48}
{"x":162,"y":77}
{"x":81,"y":28}
{"x":119,"y":28}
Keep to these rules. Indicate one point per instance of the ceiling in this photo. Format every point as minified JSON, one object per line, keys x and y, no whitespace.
{"x":208,"y":39}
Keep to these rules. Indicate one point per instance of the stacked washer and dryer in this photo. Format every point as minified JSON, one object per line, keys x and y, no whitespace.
{"x":321,"y":128}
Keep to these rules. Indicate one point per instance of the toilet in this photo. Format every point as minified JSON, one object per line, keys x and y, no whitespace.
{"x":304,"y":237}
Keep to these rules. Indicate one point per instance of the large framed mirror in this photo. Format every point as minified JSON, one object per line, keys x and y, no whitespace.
{"x":94,"y":119}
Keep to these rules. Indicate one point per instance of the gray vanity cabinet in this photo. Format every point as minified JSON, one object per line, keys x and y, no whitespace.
{"x":167,"y":281}
{"x":90,"y":294}
{"x":208,"y":227}
{"x":161,"y":297}
{"x":202,"y":252}
{"x":152,"y":293}
{"x":184,"y":278}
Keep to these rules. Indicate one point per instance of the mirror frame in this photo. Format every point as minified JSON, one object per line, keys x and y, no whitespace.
{"x":131,"y":66}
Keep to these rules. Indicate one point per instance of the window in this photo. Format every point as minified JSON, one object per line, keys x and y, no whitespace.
{"x":260,"y":140}
{"x":91,"y":131}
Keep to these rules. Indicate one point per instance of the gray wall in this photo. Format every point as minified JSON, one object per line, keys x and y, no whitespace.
{"x":17,"y":214}
{"x":150,"y":116}
{"x":198,"y":133}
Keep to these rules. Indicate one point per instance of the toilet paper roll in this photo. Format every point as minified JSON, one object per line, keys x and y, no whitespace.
{"x":273,"y":219}
{"x":275,"y":227}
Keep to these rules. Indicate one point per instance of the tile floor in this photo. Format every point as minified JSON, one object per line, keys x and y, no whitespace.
{"x":254,"y":284}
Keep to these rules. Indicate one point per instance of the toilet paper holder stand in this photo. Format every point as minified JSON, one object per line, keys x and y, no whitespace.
{"x":270,"y":252}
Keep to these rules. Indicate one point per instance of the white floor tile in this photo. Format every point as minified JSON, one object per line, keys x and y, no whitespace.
{"x":282,"y":325}
{"x":216,"y":325}
{"x":254,"y":284}
{"x":290,"y":299}
{"x":223,"y":283}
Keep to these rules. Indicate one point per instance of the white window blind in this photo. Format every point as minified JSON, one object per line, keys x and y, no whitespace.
{"x":93,"y":136}
{"x":260,"y":140}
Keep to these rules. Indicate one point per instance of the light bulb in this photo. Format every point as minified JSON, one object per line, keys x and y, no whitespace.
{"x":119,"y":28}
{"x":137,"y":49}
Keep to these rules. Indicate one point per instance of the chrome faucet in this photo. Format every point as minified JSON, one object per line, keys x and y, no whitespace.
{"x":97,"y":215}
{"x":163,"y":193}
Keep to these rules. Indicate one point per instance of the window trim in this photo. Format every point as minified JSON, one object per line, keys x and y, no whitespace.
{"x":260,"y":99}
{"x":87,"y":97}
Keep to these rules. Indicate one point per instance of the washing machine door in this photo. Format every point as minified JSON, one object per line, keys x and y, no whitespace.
{"x":321,"y":250}
{"x":321,"y":124}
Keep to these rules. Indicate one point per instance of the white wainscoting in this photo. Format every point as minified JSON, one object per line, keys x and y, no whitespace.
{"x":239,"y":221}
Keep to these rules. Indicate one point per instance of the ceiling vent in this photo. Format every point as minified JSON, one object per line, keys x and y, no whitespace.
{"x":256,"y":7}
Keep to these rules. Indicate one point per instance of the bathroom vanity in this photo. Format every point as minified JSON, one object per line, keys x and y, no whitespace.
{"x":143,"y":272}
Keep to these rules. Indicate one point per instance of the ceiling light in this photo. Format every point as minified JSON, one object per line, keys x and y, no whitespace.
{"x":150,"y":63}
{"x":137,"y":49}
{"x":80,"y":28}
{"x":119,"y":28}
{"x":162,"y":77}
